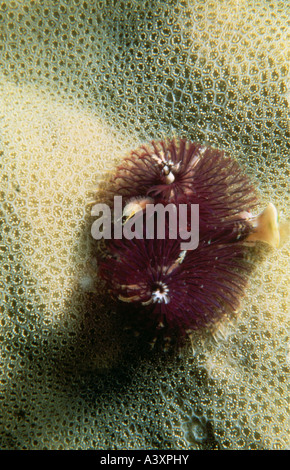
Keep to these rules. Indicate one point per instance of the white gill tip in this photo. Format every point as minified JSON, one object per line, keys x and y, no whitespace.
{"x":134,"y":206}
{"x":160,"y":294}
{"x":131,"y":208}
{"x":169,"y":178}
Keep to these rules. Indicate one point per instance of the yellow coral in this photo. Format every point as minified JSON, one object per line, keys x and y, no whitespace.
{"x":82,"y":83}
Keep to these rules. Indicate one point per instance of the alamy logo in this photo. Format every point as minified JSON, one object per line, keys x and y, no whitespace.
{"x":110,"y":223}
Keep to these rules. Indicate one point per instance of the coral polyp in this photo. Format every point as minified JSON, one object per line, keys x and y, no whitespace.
{"x":175,"y":290}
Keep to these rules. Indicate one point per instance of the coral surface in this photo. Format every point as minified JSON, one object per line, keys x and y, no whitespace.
{"x":82,"y":83}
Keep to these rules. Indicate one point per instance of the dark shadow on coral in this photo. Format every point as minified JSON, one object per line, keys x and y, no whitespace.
{"x":91,"y":354}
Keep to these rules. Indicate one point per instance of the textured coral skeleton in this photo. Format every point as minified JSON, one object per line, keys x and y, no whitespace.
{"x":82,"y":84}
